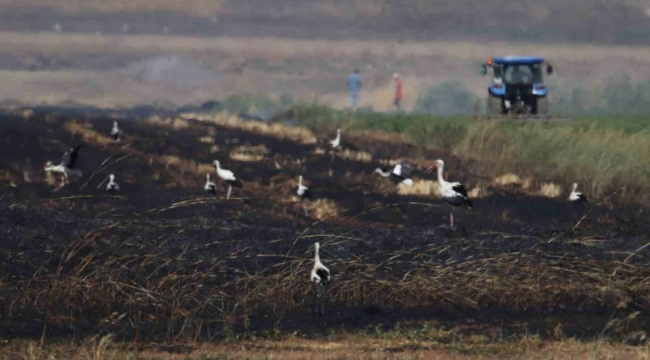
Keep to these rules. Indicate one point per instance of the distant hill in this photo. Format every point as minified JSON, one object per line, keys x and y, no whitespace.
{"x":593,"y":21}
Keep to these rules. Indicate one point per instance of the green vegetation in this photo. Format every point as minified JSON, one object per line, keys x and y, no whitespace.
{"x":618,"y":95}
{"x":448,"y":98}
{"x":602,"y":159}
{"x":603,"y":153}
{"x":252,"y":103}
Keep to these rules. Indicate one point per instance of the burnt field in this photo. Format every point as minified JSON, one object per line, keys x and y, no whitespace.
{"x":162,"y":261}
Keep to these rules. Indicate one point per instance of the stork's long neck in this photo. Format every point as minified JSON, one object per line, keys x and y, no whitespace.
{"x":440,"y":179}
{"x":207,"y":177}
{"x":300,"y":181}
{"x":575,"y":186}
{"x":316,"y":255}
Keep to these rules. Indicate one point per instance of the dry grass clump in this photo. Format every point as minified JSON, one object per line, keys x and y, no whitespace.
{"x":421,"y":188}
{"x":279,"y":131}
{"x":248,"y":153}
{"x":26,"y":113}
{"x":169,"y":123}
{"x":478,"y":192}
{"x":550,"y":190}
{"x":7,"y":176}
{"x":92,"y":348}
{"x":323,"y":208}
{"x":89,"y":135}
{"x":206,"y":139}
{"x":511,"y":179}
{"x":360,"y":156}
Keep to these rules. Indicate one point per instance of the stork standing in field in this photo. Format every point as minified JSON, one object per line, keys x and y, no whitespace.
{"x":577,"y":197}
{"x":115,"y":132}
{"x":399,"y":174}
{"x":227,"y":176}
{"x":335,"y":144}
{"x":320,"y":278}
{"x":66,"y":167}
{"x":337,"y":140}
{"x":112,"y":187}
{"x":210,"y":187}
{"x":454,"y":193}
{"x":303,"y":192}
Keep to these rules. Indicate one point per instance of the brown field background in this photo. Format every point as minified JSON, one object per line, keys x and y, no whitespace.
{"x":76,"y":52}
{"x":53,"y":68}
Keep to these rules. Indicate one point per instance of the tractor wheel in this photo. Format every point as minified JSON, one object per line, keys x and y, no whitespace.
{"x":494,"y":106}
{"x":542,"y":106}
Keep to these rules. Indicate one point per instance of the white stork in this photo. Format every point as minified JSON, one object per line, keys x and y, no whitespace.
{"x":66,"y":167}
{"x":115,"y":132}
{"x":302,"y":190}
{"x":453,"y":193}
{"x":112,"y":186}
{"x":337,"y":140}
{"x":210,"y":187}
{"x":320,"y":277}
{"x":577,"y":197}
{"x":227,"y":176}
{"x":399,"y":174}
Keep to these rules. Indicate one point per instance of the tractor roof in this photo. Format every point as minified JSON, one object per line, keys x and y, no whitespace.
{"x":514,"y":60}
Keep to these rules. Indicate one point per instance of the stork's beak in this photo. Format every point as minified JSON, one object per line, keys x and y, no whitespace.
{"x":429,"y":169}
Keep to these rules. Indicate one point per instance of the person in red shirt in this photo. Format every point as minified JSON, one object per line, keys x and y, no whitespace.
{"x":398,"y":91}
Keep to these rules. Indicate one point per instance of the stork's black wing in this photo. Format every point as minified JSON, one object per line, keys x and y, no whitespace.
{"x":324,"y":276}
{"x":461,"y":190}
{"x":70,"y":157}
{"x":405,"y":170}
{"x":235,"y":183}
{"x":307,"y":194}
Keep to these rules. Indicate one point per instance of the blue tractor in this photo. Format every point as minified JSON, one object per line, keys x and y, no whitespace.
{"x":517,"y":86}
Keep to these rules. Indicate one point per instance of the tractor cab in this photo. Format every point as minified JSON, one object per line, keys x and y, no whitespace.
{"x":517,"y":85}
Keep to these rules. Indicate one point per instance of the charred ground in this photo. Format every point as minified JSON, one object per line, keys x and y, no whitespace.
{"x":162,"y":261}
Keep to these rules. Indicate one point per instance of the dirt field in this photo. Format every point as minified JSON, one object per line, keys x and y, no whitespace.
{"x":113,"y":70}
{"x":163,"y":262}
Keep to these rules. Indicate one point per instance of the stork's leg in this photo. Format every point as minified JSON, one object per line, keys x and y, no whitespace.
{"x":229,"y":191}
{"x":319,"y":298}
{"x":323,"y":303}
{"x":64,"y":181}
{"x":304,"y":209}
{"x":316,"y":303}
{"x":451,"y":218}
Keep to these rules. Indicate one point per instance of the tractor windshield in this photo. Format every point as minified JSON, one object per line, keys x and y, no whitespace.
{"x":522,"y":74}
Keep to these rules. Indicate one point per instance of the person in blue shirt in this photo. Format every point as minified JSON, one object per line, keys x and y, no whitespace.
{"x":354,"y":88}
